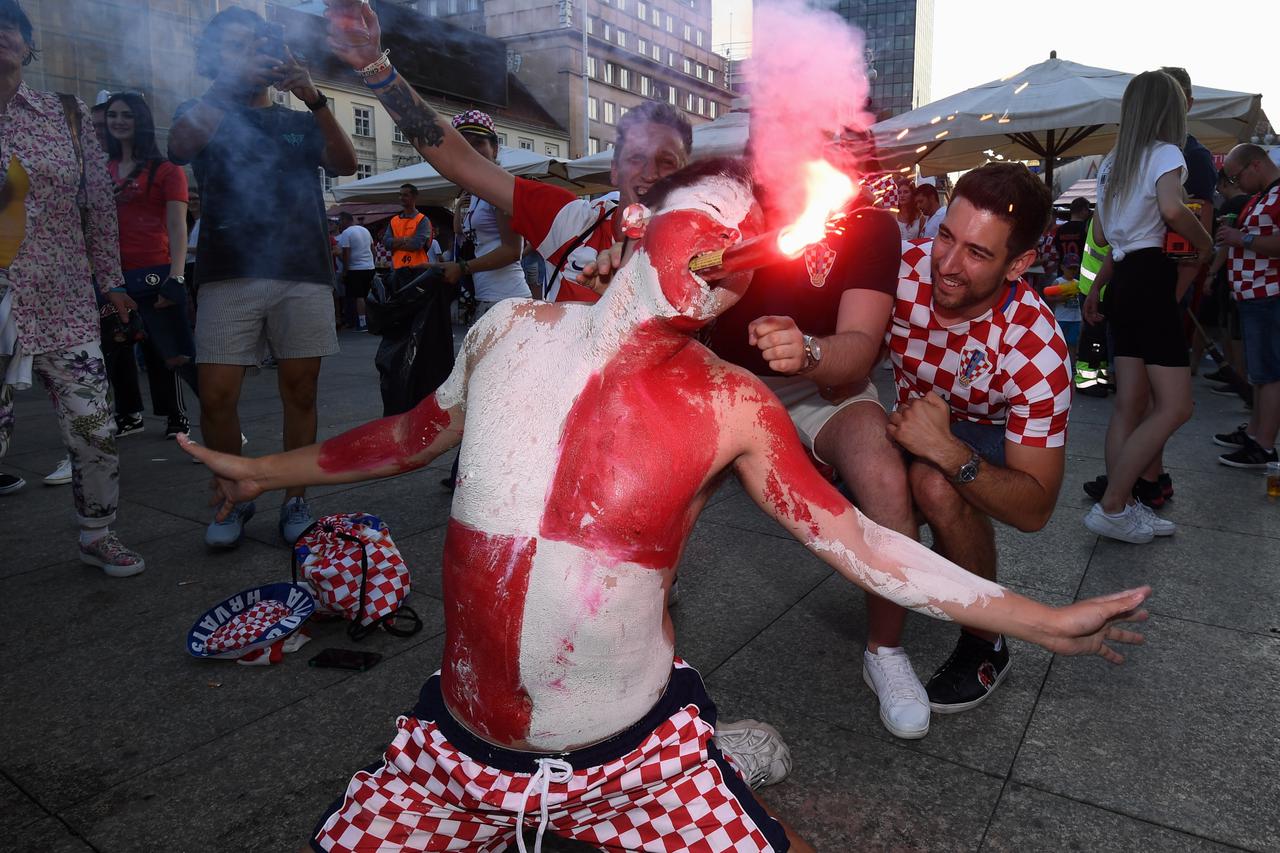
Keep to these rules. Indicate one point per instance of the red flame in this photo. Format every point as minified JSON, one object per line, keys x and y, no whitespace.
{"x":827,"y":191}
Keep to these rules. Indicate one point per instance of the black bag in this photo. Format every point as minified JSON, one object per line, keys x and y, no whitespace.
{"x":416,"y":353}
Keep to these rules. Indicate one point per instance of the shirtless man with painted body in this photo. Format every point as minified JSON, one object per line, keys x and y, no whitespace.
{"x":594,"y":436}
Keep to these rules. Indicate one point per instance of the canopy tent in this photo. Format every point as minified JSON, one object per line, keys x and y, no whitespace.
{"x":1086,"y":188}
{"x":434,"y":188}
{"x":1049,"y":110}
{"x":724,"y":137}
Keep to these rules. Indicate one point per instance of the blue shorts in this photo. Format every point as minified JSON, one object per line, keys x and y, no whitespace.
{"x":1260,"y":324}
{"x":987,"y":440}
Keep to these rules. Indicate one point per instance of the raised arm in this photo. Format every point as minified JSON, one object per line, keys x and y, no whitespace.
{"x":776,"y":473}
{"x":431,"y":134}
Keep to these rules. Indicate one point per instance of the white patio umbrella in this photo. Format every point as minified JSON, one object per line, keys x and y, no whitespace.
{"x":1053,"y":109}
{"x":434,"y":188}
{"x":724,"y":137}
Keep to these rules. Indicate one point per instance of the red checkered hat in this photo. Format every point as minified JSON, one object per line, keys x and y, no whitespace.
{"x":250,"y":621}
{"x":474,"y":121}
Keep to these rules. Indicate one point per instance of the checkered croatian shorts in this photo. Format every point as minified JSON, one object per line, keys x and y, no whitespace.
{"x":662,"y":785}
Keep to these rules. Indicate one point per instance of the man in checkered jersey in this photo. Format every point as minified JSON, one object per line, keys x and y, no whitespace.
{"x":1253,"y":269}
{"x":560,"y":703}
{"x":983,"y":393}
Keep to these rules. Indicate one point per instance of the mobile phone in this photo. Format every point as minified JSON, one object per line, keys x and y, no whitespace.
{"x":274,"y":36}
{"x":345,"y":659}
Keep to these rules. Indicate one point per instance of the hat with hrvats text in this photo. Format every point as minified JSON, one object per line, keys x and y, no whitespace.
{"x":256,"y":626}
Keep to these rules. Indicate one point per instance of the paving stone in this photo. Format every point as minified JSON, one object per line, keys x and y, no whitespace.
{"x":1183,"y":735}
{"x":46,"y":836}
{"x":16,"y":808}
{"x":1028,"y":821}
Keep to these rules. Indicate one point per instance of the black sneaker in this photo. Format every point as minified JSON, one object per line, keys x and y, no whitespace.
{"x":1233,"y":440}
{"x":1096,"y":487}
{"x":974,"y":669}
{"x":1095,"y":390}
{"x":1250,"y":456}
{"x":1149,"y":492}
{"x":177,"y":425}
{"x":128,"y":425}
{"x":1216,"y":376}
{"x":10,"y":483}
{"x":1166,"y":485}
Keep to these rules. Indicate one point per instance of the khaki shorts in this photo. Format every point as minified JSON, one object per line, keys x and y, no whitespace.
{"x":809,"y":410}
{"x":238,"y":317}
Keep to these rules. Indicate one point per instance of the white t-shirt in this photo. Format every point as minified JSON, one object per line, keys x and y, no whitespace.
{"x":481,"y":224}
{"x":1136,"y":223}
{"x":931,"y":225}
{"x":434,"y":253}
{"x":358,"y":239}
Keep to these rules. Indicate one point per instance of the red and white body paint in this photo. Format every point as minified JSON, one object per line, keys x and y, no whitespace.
{"x":594,"y":434}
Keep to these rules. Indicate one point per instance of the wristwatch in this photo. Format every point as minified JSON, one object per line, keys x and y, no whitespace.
{"x":318,"y":104}
{"x":812,"y":353}
{"x":968,"y":471}
{"x":1247,"y":240}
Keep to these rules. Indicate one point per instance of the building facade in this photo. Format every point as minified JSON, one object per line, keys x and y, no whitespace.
{"x":899,"y":47}
{"x":637,"y":51}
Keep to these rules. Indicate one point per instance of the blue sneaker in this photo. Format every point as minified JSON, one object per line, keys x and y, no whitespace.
{"x":295,"y":517}
{"x":227,"y":534}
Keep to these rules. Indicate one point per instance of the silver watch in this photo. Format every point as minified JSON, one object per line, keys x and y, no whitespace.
{"x":812,"y":353}
{"x":968,"y":471}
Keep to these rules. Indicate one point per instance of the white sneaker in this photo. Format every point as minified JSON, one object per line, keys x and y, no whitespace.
{"x":1128,"y":526}
{"x":61,"y":475}
{"x":904,"y":704}
{"x":756,"y":750}
{"x":1159,"y":526}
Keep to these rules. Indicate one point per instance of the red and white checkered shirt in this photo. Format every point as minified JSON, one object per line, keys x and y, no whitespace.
{"x":1008,"y":366}
{"x":1254,"y":276}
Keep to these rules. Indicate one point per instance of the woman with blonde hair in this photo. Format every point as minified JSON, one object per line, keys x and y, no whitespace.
{"x":1140,"y":199}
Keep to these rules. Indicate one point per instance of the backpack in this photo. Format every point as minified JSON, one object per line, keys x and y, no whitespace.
{"x":354,"y":569}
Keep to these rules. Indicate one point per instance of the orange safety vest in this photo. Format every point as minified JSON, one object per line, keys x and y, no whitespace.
{"x":401,"y":228}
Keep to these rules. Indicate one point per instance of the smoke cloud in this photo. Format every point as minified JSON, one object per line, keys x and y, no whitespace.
{"x":807,"y":80}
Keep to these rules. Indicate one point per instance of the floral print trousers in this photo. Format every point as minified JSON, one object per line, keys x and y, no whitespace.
{"x":76,"y":380}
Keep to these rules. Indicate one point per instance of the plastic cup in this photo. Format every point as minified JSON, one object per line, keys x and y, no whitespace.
{"x":1273,"y":480}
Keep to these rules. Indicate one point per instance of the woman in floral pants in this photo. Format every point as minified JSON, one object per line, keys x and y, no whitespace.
{"x":50,"y":255}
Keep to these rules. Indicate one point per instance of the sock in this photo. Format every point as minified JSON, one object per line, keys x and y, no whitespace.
{"x":90,"y":535}
{"x":884,"y":650}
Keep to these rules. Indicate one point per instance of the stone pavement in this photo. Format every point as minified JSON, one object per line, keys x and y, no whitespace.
{"x":115,"y":740}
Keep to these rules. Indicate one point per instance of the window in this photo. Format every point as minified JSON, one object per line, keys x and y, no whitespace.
{"x":702,"y":106}
{"x":671,"y":95}
{"x":525,"y":143}
{"x":551,"y":149}
{"x":502,"y":140}
{"x":397,"y":135}
{"x":278,"y":97}
{"x":642,"y":10}
{"x":698,"y":38}
{"x":591,"y":67}
{"x":610,"y":112}
{"x":624,"y":78}
{"x":622,"y":4}
{"x":326,"y":180}
{"x":671,"y":58}
{"x":364,"y":170}
{"x":711,"y":108}
{"x":593,"y":145}
{"x":622,"y":111}
{"x":646,"y":86}
{"x":688,"y":65}
{"x":688,"y":33}
{"x":711,"y":75}
{"x":608,"y":72}
{"x":593,"y":108}
{"x":433,"y":8}
{"x":363,"y":117}
{"x":608,"y":31}
{"x":657,"y":53}
{"x":622,"y":38}
{"x":688,"y":101}
{"x":642,"y":47}
{"x":473,"y":5}
{"x":671,"y":24}
{"x":699,"y":69}
{"x":591,"y":25}
{"x":657,"y":17}
{"x":453,"y":7}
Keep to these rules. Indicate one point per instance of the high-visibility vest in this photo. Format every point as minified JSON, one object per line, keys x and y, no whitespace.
{"x":1091,"y":261}
{"x":401,"y":228}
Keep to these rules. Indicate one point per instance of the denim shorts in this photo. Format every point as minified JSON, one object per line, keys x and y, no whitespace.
{"x":987,"y":440}
{"x":1260,"y":323}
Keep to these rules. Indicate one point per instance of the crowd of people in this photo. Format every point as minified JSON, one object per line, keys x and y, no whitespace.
{"x":599,"y":426}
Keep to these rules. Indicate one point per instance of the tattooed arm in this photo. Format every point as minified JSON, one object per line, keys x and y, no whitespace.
{"x":429,"y":132}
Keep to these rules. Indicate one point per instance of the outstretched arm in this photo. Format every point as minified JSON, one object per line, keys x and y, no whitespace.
{"x":431,"y":134}
{"x":384,"y":447}
{"x":779,"y":477}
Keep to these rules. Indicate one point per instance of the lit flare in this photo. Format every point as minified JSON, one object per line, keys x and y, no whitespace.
{"x":827,"y":191}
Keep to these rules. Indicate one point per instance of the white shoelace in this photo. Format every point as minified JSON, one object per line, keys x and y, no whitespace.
{"x":549,"y":770}
{"x":900,"y":675}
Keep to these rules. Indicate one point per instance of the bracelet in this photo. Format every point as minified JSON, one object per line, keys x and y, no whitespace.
{"x":382,"y":63}
{"x":118,"y":290}
{"x":391,"y":78}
